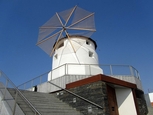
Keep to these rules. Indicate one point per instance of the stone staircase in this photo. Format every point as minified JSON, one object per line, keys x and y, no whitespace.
{"x":46,"y":104}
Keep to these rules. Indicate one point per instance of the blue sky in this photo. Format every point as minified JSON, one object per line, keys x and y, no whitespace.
{"x":124,"y":35}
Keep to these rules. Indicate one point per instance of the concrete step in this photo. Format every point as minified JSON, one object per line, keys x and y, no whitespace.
{"x":46,"y":104}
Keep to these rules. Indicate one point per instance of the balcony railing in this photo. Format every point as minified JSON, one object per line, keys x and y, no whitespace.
{"x":120,"y":70}
{"x":111,"y":70}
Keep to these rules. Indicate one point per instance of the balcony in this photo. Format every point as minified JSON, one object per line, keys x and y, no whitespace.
{"x":65,"y":74}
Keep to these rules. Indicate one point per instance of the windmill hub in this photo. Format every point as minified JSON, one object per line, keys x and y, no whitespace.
{"x":64,"y":28}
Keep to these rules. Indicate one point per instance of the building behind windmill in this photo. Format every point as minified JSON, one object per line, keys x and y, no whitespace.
{"x":77,"y":84}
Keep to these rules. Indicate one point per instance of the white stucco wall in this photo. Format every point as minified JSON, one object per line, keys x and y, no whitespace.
{"x":125,"y":101}
{"x":74,"y":69}
{"x":75,"y":56}
{"x":76,"y":50}
{"x":151,"y":97}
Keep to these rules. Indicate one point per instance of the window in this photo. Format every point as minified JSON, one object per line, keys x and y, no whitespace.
{"x":91,"y":54}
{"x":61,"y":45}
{"x":87,"y":42}
{"x":56,"y":56}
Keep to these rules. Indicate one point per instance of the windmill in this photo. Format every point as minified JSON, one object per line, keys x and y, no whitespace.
{"x":66,"y":37}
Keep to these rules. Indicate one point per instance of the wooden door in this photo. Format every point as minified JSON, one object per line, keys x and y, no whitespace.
{"x":112,"y":101}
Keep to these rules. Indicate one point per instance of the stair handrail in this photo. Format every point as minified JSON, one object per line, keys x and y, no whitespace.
{"x":33,"y":79}
{"x":19,"y":92}
{"x":77,"y":95}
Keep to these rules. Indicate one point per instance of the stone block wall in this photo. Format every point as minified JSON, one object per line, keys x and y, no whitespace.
{"x":142,"y":106}
{"x":95,"y":92}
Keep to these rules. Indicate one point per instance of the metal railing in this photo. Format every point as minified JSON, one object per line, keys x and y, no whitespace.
{"x":75,"y":99}
{"x":66,"y":69}
{"x":34,"y":82}
{"x":6,"y":83}
{"x":124,"y":70}
{"x":78,"y":96}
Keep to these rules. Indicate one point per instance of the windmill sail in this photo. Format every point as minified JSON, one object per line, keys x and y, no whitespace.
{"x":74,"y":21}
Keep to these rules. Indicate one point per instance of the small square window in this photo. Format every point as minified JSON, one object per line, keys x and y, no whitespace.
{"x":56,"y":56}
{"x":87,"y":42}
{"x":61,"y":45}
{"x":91,"y":54}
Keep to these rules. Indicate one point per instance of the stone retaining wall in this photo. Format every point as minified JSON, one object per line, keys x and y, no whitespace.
{"x":95,"y":92}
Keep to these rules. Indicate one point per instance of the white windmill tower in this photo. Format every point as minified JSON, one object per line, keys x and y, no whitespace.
{"x":66,"y":37}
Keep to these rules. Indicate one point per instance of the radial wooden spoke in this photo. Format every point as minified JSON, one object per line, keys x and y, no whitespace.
{"x":93,"y":30}
{"x":69,"y":40}
{"x":48,"y":27}
{"x":72,"y":46}
{"x":59,"y":19}
{"x":81,"y":20}
{"x":48,"y":38}
{"x":56,"y":43}
{"x":70,"y":15}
